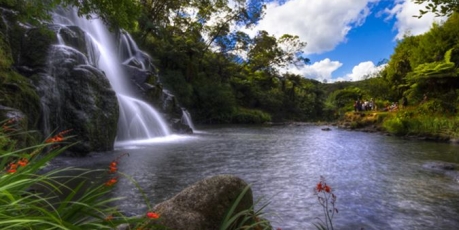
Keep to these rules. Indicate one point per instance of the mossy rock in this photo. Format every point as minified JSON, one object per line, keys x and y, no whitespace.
{"x":17,"y":92}
{"x":5,"y":54}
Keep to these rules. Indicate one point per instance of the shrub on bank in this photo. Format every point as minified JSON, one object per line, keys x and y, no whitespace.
{"x":250,"y":116}
{"x":413,"y":122}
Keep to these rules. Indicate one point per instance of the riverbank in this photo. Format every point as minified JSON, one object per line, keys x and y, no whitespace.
{"x":283,"y":163}
{"x":371,"y":121}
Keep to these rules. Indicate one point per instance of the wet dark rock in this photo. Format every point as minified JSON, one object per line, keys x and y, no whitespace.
{"x":179,"y":127}
{"x":441,"y":166}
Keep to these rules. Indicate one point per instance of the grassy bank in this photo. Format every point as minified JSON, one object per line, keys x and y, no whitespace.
{"x":411,"y":121}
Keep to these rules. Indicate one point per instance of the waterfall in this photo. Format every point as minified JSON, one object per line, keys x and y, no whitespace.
{"x":186,"y":119}
{"x":138,"y":120}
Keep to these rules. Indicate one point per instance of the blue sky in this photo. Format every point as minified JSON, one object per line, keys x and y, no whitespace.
{"x":373,"y":41}
{"x":346,"y":38}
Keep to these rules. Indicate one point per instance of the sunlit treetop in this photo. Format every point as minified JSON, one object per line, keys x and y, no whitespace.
{"x":438,"y":7}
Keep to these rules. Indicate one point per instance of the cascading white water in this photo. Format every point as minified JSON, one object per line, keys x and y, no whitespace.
{"x":130,"y":52}
{"x":138,"y":120}
{"x":186,"y":119}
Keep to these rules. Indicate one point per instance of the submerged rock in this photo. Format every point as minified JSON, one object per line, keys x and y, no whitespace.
{"x":441,"y":166}
{"x":446,"y":168}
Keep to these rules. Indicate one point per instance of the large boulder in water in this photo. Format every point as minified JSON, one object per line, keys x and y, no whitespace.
{"x":203,"y":205}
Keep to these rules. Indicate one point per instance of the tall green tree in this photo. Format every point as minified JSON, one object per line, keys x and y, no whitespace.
{"x":268,"y":53}
{"x":399,"y":65}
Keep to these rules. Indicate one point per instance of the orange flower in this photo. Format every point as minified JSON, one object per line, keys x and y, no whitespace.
{"x":23,"y":162}
{"x":152,"y":215}
{"x":13,"y":165}
{"x":112,"y":169}
{"x":109,"y":217}
{"x":322,"y":186}
{"x":57,"y":138}
{"x":327,"y":188}
{"x":319,"y":187}
{"x":111,"y":182}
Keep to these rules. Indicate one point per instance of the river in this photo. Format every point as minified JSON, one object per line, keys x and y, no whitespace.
{"x":380,"y":181}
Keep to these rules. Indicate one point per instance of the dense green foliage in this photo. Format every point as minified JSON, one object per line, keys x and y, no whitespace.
{"x":222,"y":75}
{"x":427,"y":64}
{"x":16,"y":91}
{"x":199,"y":62}
{"x":116,"y":13}
{"x":424,"y":70}
{"x":421,"y":122}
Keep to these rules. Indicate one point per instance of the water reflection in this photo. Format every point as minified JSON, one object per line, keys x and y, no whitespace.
{"x":379,"y":180}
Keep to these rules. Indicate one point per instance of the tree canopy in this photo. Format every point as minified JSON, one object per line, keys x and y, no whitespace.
{"x":438,"y":7}
{"x":222,"y":74}
{"x":116,"y":13}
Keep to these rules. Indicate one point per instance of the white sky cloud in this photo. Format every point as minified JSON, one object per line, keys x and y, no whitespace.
{"x":322,"y":24}
{"x":325,"y":24}
{"x":406,"y":24}
{"x":364,"y":70}
{"x":320,"y":71}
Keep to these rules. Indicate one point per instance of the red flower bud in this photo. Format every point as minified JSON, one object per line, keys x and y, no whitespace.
{"x":152,"y":215}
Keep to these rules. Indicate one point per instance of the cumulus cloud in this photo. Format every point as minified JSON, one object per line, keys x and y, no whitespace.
{"x":364,"y":70}
{"x":322,"y":24}
{"x":325,"y":24}
{"x":403,"y":11}
{"x":321,"y":70}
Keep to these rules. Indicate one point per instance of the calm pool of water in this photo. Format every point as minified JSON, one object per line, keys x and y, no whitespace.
{"x":379,"y":180}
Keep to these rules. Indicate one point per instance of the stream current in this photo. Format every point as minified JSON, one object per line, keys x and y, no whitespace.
{"x":381,"y":182}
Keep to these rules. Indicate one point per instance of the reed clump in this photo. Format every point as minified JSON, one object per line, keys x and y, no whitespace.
{"x":32,"y":197}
